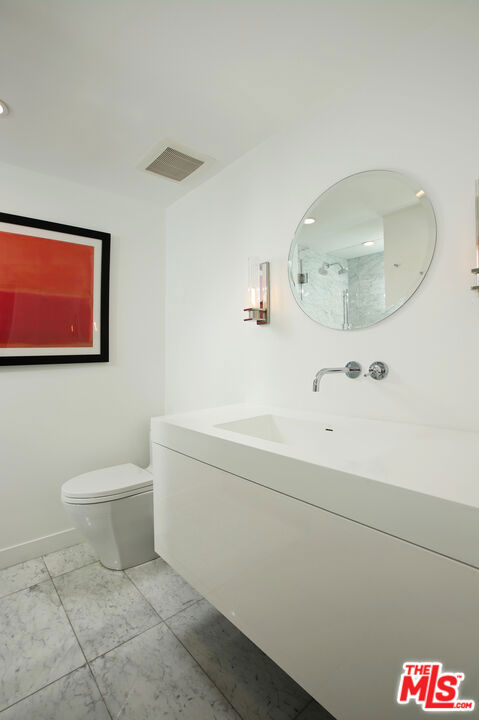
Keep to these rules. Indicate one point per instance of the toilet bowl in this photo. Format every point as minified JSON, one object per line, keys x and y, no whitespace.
{"x":113,"y":509}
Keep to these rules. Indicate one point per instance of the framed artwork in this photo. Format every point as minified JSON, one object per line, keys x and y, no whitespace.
{"x":54,"y":292}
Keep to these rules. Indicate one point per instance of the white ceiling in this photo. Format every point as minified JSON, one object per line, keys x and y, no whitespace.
{"x":95,"y":85}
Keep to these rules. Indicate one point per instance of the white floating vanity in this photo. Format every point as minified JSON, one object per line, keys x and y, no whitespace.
{"x":342,"y":547}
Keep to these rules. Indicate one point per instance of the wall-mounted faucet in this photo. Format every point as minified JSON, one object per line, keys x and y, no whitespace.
{"x":352,"y":369}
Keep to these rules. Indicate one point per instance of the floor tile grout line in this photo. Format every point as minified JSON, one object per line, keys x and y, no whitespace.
{"x":323,"y":710}
{"x":230,"y":703}
{"x":22,"y":562}
{"x":192,"y":604}
{"x":50,"y":576}
{"x":28,"y":586}
{"x":67,"y":572}
{"x":310,"y":702}
{"x":123,"y":642}
{"x":79,"y":643}
{"x":117,"y":572}
{"x":67,"y":617}
{"x":89,"y":662}
{"x":163,"y":619}
{"x":142,"y":595}
{"x":99,"y":690}
{"x":62,"y":677}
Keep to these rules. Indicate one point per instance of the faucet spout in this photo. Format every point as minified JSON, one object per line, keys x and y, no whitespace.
{"x":352,"y":369}
{"x":321,"y":373}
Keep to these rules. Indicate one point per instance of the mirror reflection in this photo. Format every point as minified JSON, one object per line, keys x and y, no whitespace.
{"x":362,"y":249}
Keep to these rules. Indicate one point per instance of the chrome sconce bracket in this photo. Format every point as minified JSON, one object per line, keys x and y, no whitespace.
{"x":259,"y":294}
{"x":261,"y":316}
{"x":475,"y":270}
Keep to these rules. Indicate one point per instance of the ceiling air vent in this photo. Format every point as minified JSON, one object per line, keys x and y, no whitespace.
{"x":174,"y":164}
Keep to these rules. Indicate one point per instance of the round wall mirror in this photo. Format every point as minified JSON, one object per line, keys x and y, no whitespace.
{"x":362,"y":249}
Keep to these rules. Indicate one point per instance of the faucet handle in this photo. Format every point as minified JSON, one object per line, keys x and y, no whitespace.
{"x":352,"y":369}
{"x":377,"y":370}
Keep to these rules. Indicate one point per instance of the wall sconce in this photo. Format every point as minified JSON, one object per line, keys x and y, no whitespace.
{"x":475,"y":270}
{"x":258,"y":292}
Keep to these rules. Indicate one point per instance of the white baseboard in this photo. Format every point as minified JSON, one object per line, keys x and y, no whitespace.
{"x":40,"y":546}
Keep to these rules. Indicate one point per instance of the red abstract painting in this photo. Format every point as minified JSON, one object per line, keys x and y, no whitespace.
{"x":46,"y":292}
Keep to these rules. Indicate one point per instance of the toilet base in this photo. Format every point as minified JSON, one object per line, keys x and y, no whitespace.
{"x":120,"y":531}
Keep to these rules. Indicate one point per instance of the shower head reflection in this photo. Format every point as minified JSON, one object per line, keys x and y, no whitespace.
{"x":323,"y":270}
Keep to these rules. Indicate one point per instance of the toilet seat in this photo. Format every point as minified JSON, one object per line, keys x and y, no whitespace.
{"x":111,"y":483}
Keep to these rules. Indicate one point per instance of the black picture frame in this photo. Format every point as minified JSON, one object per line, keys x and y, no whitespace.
{"x":105,"y":239}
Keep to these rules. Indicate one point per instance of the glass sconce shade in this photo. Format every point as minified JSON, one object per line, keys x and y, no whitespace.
{"x":258,"y":292}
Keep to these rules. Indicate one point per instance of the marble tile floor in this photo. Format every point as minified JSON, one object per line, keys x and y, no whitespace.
{"x":80,"y":642}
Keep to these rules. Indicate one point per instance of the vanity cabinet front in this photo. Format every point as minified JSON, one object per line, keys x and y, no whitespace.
{"x":338,"y":605}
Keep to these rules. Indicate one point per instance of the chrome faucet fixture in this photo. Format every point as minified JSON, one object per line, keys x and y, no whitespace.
{"x":352,"y":369}
{"x":377,"y":370}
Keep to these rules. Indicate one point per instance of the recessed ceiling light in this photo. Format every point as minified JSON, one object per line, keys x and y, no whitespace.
{"x":3,"y":109}
{"x":309,"y":221}
{"x":420,"y":193}
{"x":369,"y":242}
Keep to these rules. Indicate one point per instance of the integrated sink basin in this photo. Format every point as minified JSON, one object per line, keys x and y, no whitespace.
{"x":313,"y":435}
{"x":278,"y":428}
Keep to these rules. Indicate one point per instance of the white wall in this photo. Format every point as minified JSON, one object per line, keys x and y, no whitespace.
{"x":418,"y":116}
{"x":57,"y":421}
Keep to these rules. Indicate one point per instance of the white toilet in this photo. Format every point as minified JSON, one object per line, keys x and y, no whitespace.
{"x":113,"y":510}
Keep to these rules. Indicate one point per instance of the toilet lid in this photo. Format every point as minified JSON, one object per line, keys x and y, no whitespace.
{"x":110,"y":482}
